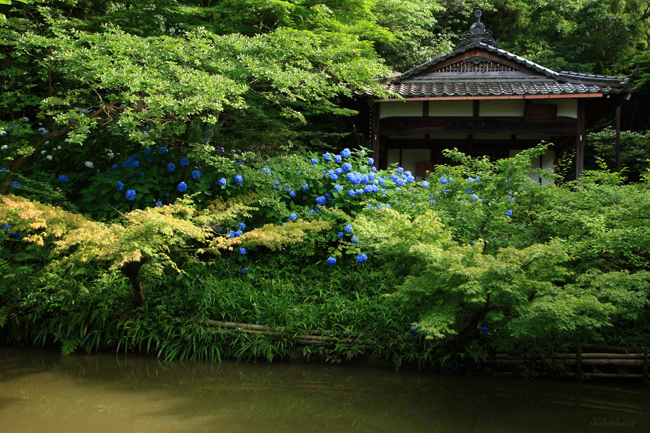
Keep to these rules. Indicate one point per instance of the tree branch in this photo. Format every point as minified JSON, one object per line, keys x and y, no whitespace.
{"x":17,"y":165}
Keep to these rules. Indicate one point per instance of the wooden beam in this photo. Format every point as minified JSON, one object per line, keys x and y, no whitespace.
{"x":375,"y":139}
{"x":618,"y":138}
{"x":469,"y":125}
{"x":580,"y":140}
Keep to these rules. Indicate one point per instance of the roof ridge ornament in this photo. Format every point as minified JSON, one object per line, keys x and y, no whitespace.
{"x":477,"y":33}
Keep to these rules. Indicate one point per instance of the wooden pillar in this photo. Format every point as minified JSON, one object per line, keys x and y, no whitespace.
{"x":580,"y":140}
{"x":375,"y":140}
{"x":618,"y":138}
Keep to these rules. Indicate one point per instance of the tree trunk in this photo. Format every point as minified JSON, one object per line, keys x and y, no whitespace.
{"x":132,"y":271}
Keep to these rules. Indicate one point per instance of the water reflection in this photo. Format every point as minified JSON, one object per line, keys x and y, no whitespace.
{"x":41,"y":391}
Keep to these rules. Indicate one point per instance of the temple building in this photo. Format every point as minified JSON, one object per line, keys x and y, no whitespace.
{"x":484,"y":100}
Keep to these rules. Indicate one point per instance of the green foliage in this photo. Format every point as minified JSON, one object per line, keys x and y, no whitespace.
{"x":634,"y":151}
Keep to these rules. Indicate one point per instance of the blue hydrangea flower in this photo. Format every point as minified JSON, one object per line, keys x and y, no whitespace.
{"x":331,"y":261}
{"x":348,"y":228}
{"x":512,"y":199}
{"x":355,"y":239}
{"x":347,"y":167}
{"x":304,"y":188}
{"x":327,"y":156}
{"x":6,"y":227}
{"x":15,"y":235}
{"x":485,"y":330}
{"x":159,"y":204}
{"x":293,"y":217}
{"x":231,"y":234}
{"x":338,"y":188}
{"x":185,"y":162}
{"x":399,"y":170}
{"x":162,"y":150}
{"x":470,"y":180}
{"x":410,"y":179}
{"x":472,"y":243}
{"x":119,"y":186}
{"x":238,"y":233}
{"x":509,"y":212}
{"x":242,"y":251}
{"x":311,"y":211}
{"x":196,"y":174}
{"x":223,"y":181}
{"x":63,"y":178}
{"x":351,"y":193}
{"x":149,"y":160}
{"x":244,"y":271}
{"x":147,"y":151}
{"x":337,"y":159}
{"x":371,"y":161}
{"x":475,"y":197}
{"x":292,"y":193}
{"x":238,"y":178}
{"x":373,"y":169}
{"x":181,"y":187}
{"x":361,"y":258}
{"x":415,"y":328}
{"x":334,"y":177}
{"x":135,"y":163}
{"x":321,"y":200}
{"x":345,"y":153}
{"x":340,"y":234}
{"x":266,"y":170}
{"x":443,"y":180}
{"x":171,"y":167}
{"x":130,"y":194}
{"x":242,"y":226}
{"x":314,"y":161}
{"x":425,"y":184}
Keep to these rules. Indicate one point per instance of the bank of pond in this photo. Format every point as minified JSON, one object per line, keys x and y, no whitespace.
{"x":41,"y":390}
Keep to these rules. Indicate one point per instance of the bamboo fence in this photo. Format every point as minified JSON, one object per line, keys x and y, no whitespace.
{"x":630,"y":362}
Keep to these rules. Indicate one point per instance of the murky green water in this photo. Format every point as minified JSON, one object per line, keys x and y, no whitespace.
{"x":43,"y":392}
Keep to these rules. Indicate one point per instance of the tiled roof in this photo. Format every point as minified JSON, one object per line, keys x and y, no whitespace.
{"x":531,"y":79}
{"x":473,"y":88}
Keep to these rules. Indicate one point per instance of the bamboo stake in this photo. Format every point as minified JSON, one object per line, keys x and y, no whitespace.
{"x":583,"y":356}
{"x":645,"y":365}
{"x":578,"y":361}
{"x":320,"y":338}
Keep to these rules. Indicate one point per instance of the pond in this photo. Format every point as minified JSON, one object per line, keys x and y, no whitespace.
{"x":41,"y":391}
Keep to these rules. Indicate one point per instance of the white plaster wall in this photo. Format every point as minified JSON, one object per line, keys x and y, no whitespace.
{"x":499,"y":107}
{"x":393,"y":156}
{"x":451,"y":108}
{"x":548,"y":160}
{"x":411,"y":156}
{"x":543,"y":162}
{"x":565,"y":107}
{"x":400,"y":109}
